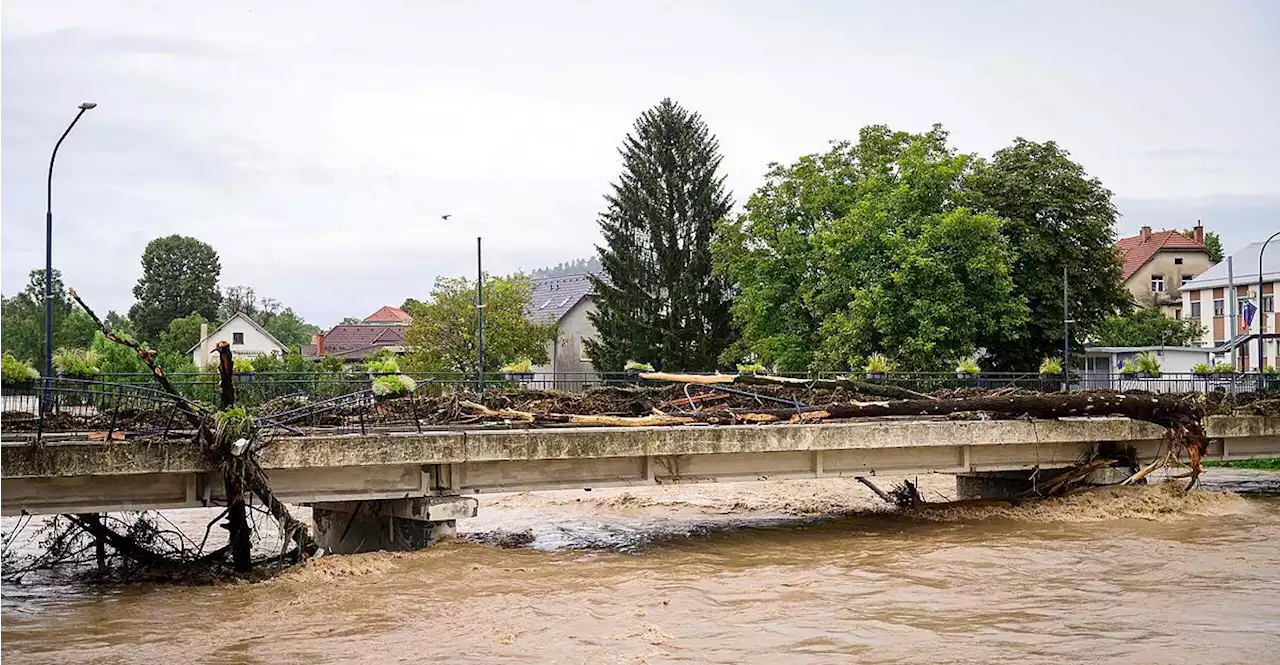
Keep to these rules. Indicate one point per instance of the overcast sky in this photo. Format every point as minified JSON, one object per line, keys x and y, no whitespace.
{"x":316,"y":145}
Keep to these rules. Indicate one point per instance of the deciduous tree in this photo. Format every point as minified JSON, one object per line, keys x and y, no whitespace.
{"x":1147,"y":327}
{"x":179,"y":277}
{"x":442,"y":337}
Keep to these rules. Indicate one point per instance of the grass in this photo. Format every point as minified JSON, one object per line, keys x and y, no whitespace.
{"x":1270,"y":463}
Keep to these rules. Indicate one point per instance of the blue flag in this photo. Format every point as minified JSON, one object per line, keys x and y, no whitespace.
{"x":1247,"y":311}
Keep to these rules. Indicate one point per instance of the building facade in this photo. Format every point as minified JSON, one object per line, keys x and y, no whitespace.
{"x":1155,"y":265}
{"x":246,"y":338}
{"x":567,"y":301}
{"x":1208,"y":299}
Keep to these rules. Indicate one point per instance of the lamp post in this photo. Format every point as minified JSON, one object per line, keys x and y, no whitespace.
{"x":48,"y":256}
{"x":1262,"y":315}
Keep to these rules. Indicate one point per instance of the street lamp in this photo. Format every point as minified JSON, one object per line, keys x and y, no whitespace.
{"x":48,"y":255}
{"x":1262,"y":316}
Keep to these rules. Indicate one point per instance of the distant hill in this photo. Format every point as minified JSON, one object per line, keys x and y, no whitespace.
{"x":574,"y":267}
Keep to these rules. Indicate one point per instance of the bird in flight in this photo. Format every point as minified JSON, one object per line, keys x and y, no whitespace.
{"x":446,"y":217}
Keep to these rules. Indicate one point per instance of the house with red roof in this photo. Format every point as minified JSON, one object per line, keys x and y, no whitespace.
{"x":1156,"y":264}
{"x":353,"y":342}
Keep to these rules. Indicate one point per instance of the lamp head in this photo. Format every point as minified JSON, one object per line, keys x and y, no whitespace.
{"x":87,"y":105}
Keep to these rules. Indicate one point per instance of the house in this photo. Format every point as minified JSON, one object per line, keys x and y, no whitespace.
{"x":1102,"y":367}
{"x":566,"y":301}
{"x":1207,"y":299}
{"x":353,"y":342}
{"x":246,"y":337}
{"x":1156,"y":265}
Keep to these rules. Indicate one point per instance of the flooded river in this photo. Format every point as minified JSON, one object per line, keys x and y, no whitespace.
{"x":798,"y":572}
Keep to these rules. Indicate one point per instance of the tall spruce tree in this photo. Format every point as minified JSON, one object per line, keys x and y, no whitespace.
{"x":657,"y":298}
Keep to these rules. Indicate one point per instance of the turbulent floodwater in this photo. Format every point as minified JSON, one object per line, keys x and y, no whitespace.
{"x":797,"y":572}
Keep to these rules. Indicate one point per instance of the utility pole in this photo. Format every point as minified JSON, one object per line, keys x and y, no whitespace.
{"x":1066,"y":329}
{"x":479,"y":321}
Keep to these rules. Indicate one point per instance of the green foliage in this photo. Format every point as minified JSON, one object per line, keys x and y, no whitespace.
{"x":1146,"y":327}
{"x":636,"y":366}
{"x":116,"y":358}
{"x":232,"y":424}
{"x":1270,"y":369}
{"x":22,"y":320}
{"x":1212,"y":242}
{"x":267,"y":362}
{"x":393,"y":385}
{"x":1130,"y":368}
{"x":1202,"y":369}
{"x":522,"y":366}
{"x":14,"y":371}
{"x":968,"y":366}
{"x":179,"y":277}
{"x":1268,"y":463}
{"x":329,"y":365}
{"x":1055,"y":216}
{"x":181,"y":334}
{"x":241,"y":365}
{"x":657,"y":294}
{"x":176,"y":362}
{"x":442,"y":337}
{"x":290,"y":329}
{"x":1224,"y":368}
{"x":1050,"y":366}
{"x":751,"y":368}
{"x":878,"y":363}
{"x":865,"y":249}
{"x":77,"y":363}
{"x":1148,"y":363}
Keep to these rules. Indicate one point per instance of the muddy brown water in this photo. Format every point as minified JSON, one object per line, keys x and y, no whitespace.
{"x":797,"y":572}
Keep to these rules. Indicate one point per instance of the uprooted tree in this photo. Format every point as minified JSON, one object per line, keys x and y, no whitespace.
{"x":140,"y":543}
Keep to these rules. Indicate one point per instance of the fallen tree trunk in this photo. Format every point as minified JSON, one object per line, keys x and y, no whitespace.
{"x":244,"y":469}
{"x":866,"y":388}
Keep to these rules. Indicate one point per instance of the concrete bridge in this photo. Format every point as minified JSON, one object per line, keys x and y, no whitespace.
{"x":399,"y":490}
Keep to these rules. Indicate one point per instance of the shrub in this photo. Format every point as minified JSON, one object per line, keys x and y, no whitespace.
{"x":635,"y":366}
{"x":878,"y":364}
{"x":1270,"y":369}
{"x":519,"y":367}
{"x":968,"y":366}
{"x":267,"y":362}
{"x":1050,"y":366}
{"x":1224,"y":368}
{"x":14,"y":371}
{"x":78,"y":363}
{"x":1130,"y":367}
{"x":378,"y":366}
{"x":1202,"y":369}
{"x":393,"y":385}
{"x":234,"y":423}
{"x":1149,"y":363}
{"x":751,"y":368}
{"x":241,"y":365}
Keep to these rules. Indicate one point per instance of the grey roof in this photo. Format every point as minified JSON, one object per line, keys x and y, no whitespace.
{"x":553,"y":297}
{"x":1244,"y":266}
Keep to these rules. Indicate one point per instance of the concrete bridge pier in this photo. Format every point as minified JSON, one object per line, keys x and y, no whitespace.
{"x":1011,"y":484}
{"x":349,"y":527}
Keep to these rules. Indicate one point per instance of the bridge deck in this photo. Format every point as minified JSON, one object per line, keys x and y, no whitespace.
{"x":95,"y":476}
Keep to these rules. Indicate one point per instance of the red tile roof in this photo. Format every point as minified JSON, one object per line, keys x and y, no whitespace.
{"x":350,"y":337}
{"x":1135,"y":252}
{"x":389,"y":314}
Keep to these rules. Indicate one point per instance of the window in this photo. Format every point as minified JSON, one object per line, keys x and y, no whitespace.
{"x":582,"y":350}
{"x":1187,"y":278}
{"x":1195,"y":309}
{"x":1219,"y":307}
{"x":1177,"y":262}
{"x":1157,"y":283}
{"x":237,"y":338}
{"x":1268,"y":305}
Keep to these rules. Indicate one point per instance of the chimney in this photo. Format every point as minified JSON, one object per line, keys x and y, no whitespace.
{"x":1145,"y":233}
{"x":204,"y":344}
{"x":318,"y":342}
{"x":1199,"y":232}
